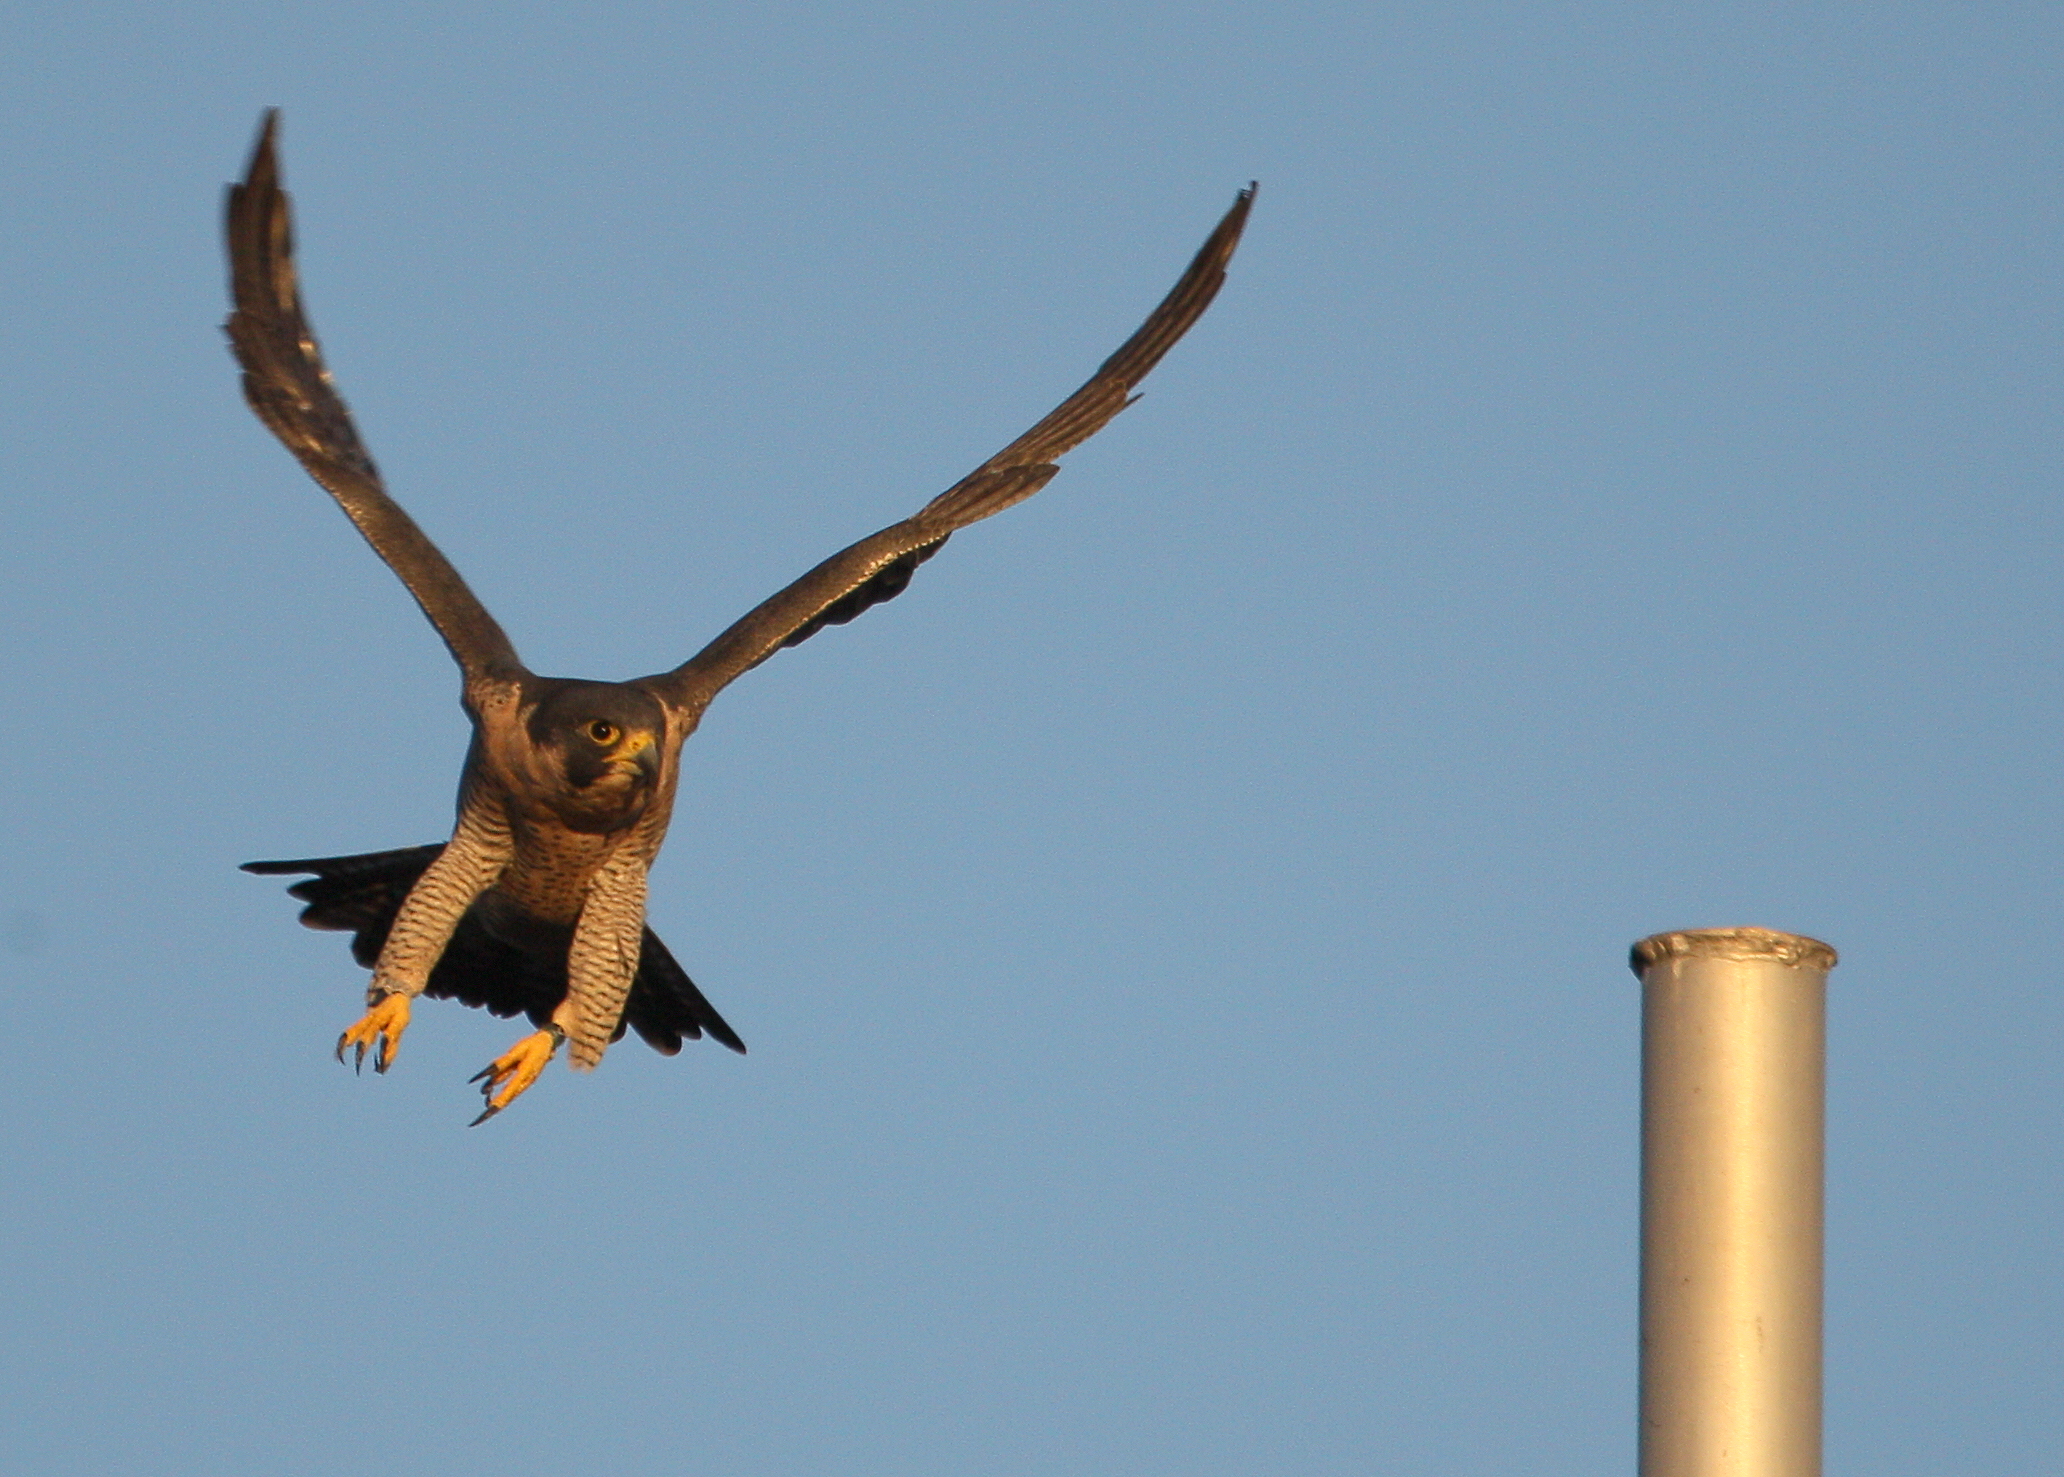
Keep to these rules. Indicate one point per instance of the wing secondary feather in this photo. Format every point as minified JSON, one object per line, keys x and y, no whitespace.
{"x":879,"y":567}
{"x":288,"y":386}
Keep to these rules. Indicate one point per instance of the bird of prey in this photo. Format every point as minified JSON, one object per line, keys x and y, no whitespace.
{"x":536,"y":905}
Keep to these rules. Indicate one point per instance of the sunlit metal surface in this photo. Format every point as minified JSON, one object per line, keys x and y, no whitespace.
{"x":1733,"y":1111}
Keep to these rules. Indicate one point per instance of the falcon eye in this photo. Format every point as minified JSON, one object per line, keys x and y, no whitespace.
{"x":602,"y":732}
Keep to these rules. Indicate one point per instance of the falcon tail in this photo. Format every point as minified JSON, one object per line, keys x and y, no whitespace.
{"x":500,"y":958}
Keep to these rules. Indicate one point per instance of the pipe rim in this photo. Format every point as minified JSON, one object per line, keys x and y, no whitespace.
{"x":1746,"y":944}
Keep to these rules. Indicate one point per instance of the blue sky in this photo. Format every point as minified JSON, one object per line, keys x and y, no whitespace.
{"x":1182,"y":941}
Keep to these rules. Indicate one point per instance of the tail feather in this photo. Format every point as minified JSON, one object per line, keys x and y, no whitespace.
{"x":499,"y":958}
{"x":354,"y":894}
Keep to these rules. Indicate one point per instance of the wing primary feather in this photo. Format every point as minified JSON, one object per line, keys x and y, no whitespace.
{"x":291,"y":391}
{"x":1109,"y":390}
{"x":879,"y":567}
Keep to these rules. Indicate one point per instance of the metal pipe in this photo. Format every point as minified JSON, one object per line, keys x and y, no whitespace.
{"x":1733,"y":1115}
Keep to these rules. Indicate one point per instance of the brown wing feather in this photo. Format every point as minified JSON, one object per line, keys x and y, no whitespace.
{"x":292,"y":392}
{"x":878,"y":567}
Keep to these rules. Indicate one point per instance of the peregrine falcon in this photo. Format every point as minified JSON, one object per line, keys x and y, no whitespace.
{"x":536,"y":905}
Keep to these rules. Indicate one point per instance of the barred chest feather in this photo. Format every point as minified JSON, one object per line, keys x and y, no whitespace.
{"x":551,"y":871}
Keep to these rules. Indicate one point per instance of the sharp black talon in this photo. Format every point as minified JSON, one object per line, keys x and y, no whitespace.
{"x":483,"y":1072}
{"x":484,"y":1117}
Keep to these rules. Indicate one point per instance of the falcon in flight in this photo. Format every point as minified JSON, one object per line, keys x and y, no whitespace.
{"x":537,"y":903}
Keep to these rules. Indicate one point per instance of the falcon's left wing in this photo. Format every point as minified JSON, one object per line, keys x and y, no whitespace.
{"x":879,"y":567}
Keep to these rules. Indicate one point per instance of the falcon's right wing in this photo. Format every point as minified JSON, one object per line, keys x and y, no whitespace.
{"x":287,"y":385}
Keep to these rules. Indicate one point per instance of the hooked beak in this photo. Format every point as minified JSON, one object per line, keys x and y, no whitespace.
{"x":640,"y":756}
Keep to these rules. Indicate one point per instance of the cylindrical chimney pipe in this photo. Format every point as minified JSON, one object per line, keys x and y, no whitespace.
{"x":1733,"y":1115}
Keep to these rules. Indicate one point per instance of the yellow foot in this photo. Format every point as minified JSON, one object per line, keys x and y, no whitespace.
{"x":380,"y":1028}
{"x":515,"y":1069}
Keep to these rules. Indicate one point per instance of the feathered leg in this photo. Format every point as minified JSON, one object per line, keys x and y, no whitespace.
{"x":603,"y":961}
{"x":600,"y":968}
{"x":479,"y":852}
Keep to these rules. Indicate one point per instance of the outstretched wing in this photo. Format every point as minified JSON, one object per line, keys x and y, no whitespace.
{"x":287,"y":385}
{"x":879,"y":567}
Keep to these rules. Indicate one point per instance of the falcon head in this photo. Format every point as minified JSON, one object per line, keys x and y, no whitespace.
{"x":604,"y":747}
